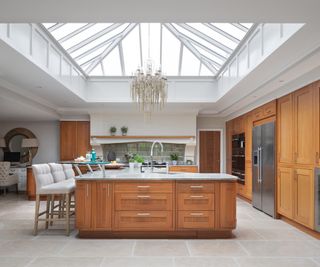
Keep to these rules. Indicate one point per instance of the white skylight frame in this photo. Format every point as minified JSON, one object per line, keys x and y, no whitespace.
{"x":212,"y":44}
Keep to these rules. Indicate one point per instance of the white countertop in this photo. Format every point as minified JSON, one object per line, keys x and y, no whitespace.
{"x":127,"y":174}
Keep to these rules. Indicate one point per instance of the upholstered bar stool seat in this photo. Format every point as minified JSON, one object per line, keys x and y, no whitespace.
{"x":45,"y":177}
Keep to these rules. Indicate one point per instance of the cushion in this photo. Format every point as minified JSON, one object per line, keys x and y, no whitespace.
{"x":57,"y":172}
{"x":42,"y":175}
{"x":68,"y":171}
{"x":63,"y":187}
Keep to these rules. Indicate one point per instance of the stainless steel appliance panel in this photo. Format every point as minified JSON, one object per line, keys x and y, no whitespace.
{"x":267,"y":160}
{"x":256,"y":185}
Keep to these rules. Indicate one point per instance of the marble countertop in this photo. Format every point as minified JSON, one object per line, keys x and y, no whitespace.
{"x":127,"y":174}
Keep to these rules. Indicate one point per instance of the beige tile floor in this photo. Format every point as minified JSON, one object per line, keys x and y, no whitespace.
{"x":261,"y":242}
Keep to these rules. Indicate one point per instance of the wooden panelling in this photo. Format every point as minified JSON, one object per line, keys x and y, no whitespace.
{"x":153,"y":201}
{"x":195,"y":219}
{"x":248,"y":180}
{"x":227,"y":205}
{"x":187,"y":201}
{"x":317,"y":122}
{"x":195,"y":187}
{"x":229,"y":130}
{"x":269,"y":109}
{"x":184,"y":168}
{"x":68,"y":140}
{"x":144,"y":187}
{"x":209,"y":151}
{"x":304,"y":127}
{"x":285,"y":192}
{"x":143,"y":220}
{"x":102,"y":205}
{"x":304,"y":197}
{"x":74,"y":139}
{"x":285,"y":130}
{"x":83,"y":199}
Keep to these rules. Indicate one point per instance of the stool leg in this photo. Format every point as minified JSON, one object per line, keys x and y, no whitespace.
{"x":67,"y":214}
{"x":36,"y":215}
{"x":52,"y":210}
{"x":47,"y":211}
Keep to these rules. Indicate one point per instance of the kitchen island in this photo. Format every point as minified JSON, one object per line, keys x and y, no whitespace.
{"x":124,"y":204}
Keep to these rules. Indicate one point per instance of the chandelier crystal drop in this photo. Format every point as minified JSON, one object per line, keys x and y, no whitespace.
{"x":149,"y":88}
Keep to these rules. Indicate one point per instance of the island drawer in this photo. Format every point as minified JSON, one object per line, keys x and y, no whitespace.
{"x":198,"y":187}
{"x":143,"y":220}
{"x":195,"y":201}
{"x":195,"y":219}
{"x":141,"y":186}
{"x":143,"y":201}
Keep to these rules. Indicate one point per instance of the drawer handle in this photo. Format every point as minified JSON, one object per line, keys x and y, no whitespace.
{"x":196,"y":186}
{"x":196,"y":196}
{"x":143,"y":196}
{"x":143,"y":186}
{"x":143,"y":214}
{"x":196,"y":214}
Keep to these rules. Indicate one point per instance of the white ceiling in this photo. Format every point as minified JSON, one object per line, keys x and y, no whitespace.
{"x":160,"y":11}
{"x":39,"y":97}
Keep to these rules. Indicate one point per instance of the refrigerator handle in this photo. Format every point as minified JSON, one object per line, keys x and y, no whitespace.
{"x":260,"y":163}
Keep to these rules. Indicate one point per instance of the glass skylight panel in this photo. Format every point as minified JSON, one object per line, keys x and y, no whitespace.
{"x":214,"y":35}
{"x":190,"y":64}
{"x":170,"y":53}
{"x":114,"y":49}
{"x":131,"y":51}
{"x":111,"y":64}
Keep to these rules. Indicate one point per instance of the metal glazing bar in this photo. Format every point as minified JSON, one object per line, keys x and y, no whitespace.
{"x":240,"y":27}
{"x":93,"y":37}
{"x":71,"y":34}
{"x":222,"y":32}
{"x":104,"y":74}
{"x":194,"y":42}
{"x":200,"y":68}
{"x":121,"y":59}
{"x":55,"y":27}
{"x":205,"y":37}
{"x":187,"y":44}
{"x":140,"y":42}
{"x":161,"y":29}
{"x":208,"y":61}
{"x":180,"y":58}
{"x":213,"y":63}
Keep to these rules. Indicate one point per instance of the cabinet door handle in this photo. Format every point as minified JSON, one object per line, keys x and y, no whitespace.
{"x":196,"y":196}
{"x":143,"y":186}
{"x":143,"y":196}
{"x":87,"y":190}
{"x":196,"y":214}
{"x":143,"y":214}
{"x":196,"y":186}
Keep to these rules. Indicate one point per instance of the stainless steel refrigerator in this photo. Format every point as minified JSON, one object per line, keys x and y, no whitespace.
{"x":263,"y":171}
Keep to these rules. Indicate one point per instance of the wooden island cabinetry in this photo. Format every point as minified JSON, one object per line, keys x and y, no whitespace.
{"x":163,"y":209}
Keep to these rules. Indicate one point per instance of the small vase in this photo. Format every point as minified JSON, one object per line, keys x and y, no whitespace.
{"x":124,"y":134}
{"x":174,"y":162}
{"x":131,"y":165}
{"x":113,"y":134}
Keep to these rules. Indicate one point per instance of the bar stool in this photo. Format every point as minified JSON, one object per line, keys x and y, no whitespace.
{"x":45,"y":186}
{"x":68,"y":171}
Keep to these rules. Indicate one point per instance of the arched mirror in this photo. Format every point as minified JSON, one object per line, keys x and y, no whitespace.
{"x":14,"y":143}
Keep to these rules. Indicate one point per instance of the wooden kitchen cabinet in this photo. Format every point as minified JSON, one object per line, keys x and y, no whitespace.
{"x":102,"y":193}
{"x":227,"y":205}
{"x":304,"y":126}
{"x":285,"y":133}
{"x":239,"y":125}
{"x":74,"y":139}
{"x":317,"y":121}
{"x":304,"y":197}
{"x":229,"y":130}
{"x":285,"y":192}
{"x":83,"y":200}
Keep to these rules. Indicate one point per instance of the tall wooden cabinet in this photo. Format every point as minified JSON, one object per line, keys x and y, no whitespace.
{"x":298,"y":153}
{"x":74,"y":139}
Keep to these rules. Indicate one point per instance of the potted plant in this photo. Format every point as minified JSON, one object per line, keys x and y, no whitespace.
{"x":138,"y":160}
{"x":113,"y":130}
{"x":124,"y":130}
{"x":174,"y":158}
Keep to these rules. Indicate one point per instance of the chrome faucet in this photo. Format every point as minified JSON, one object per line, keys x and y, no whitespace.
{"x":151,"y":152}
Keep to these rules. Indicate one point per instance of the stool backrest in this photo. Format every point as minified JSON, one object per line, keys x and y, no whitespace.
{"x":68,"y":170}
{"x":42,"y":175}
{"x":4,"y":172}
{"x":57,"y":172}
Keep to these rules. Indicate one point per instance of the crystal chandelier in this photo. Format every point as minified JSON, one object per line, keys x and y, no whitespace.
{"x":149,"y":89}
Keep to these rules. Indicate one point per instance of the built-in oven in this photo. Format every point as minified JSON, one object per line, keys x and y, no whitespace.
{"x":238,"y":156}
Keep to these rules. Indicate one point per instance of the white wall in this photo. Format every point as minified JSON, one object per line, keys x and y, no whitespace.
{"x":47,"y":133}
{"x":213,"y":123}
{"x":160,"y":124}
